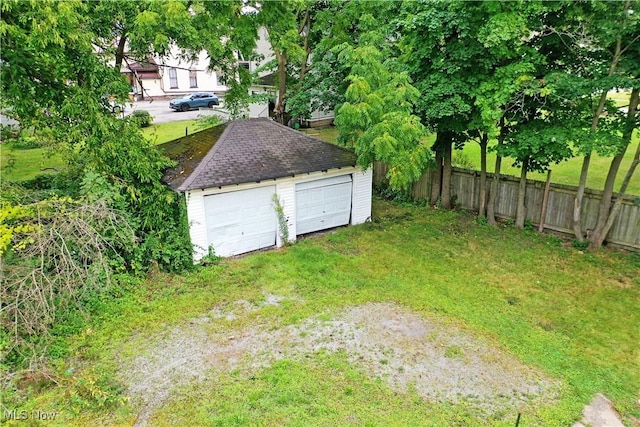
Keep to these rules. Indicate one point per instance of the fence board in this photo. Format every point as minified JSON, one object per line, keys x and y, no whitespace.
{"x":465,"y":188}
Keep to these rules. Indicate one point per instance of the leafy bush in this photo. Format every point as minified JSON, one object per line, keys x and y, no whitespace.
{"x":580,"y":245}
{"x":461,"y":160}
{"x":142,"y":118}
{"x":206,"y":121}
{"x":54,"y":252}
{"x":9,"y":131}
{"x":26,"y":142}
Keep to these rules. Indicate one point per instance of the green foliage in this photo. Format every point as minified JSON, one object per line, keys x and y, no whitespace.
{"x":461,"y":160}
{"x":25,"y":142}
{"x":91,"y":390}
{"x":580,"y":245}
{"x":210,"y":258}
{"x":54,"y":252}
{"x":205,"y":121}
{"x":142,"y":118}
{"x":377,"y":118}
{"x":283,"y":225}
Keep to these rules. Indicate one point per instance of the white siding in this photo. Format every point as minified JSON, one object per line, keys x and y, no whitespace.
{"x":206,"y":79}
{"x":197,"y":225}
{"x":361,"y":200}
{"x":287,"y":194}
{"x":285,"y":188}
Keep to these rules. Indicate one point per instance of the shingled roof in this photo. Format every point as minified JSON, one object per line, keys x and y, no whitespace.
{"x":248,"y":150}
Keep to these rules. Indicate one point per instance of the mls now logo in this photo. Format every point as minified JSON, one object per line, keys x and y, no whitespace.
{"x":15,"y":415}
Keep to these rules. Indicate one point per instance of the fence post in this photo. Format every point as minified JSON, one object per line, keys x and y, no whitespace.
{"x":545,"y":202}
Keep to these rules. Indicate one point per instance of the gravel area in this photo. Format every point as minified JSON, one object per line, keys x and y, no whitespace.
{"x":384,"y":340}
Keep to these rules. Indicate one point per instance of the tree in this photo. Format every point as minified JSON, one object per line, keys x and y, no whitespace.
{"x":377,"y":118}
{"x":606,"y":218}
{"x":53,"y":83}
{"x":597,"y":43}
{"x":288,"y":27}
{"x":465,"y":58}
{"x":333,"y":23}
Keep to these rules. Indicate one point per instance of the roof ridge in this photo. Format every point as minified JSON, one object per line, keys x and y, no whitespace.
{"x":187,"y":182}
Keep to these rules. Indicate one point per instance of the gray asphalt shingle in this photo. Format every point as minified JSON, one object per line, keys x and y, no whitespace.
{"x":248,"y":150}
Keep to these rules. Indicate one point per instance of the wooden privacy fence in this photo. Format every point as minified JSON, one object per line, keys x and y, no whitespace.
{"x":465,"y":190}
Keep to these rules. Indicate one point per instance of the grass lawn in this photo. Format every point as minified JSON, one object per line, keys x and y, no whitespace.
{"x":567,"y":173}
{"x":571,"y":316}
{"x":25,"y":164}
{"x":164,"y":132}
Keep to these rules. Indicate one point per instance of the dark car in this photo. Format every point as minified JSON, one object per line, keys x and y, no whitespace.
{"x":194,"y":100}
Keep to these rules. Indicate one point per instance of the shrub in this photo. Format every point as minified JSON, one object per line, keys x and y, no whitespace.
{"x":461,"y":160}
{"x":142,"y":117}
{"x":53,"y":253}
{"x":207,"y":121}
{"x":26,"y":142}
{"x":580,"y":245}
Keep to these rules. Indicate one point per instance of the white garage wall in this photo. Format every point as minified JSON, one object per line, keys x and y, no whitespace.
{"x":285,"y":188}
{"x":361,"y":198}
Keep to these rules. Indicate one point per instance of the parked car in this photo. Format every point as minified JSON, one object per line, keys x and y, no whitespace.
{"x":194,"y":100}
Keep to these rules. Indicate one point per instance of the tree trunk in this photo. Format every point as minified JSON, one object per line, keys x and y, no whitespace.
{"x":122,"y":44}
{"x":446,"y":175}
{"x":482,"y":209}
{"x":577,"y":207}
{"x":436,"y":179}
{"x":618,"y":203}
{"x":279,"y":111}
{"x":577,"y":204}
{"x":521,"y":210}
{"x":493,"y":193}
{"x":495,"y":184}
{"x":305,"y":30}
{"x":604,"y":213}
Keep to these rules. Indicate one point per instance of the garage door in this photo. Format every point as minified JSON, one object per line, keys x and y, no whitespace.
{"x":240,"y":221}
{"x":324,"y":203}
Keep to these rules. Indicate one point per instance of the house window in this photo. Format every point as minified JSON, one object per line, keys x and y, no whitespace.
{"x":173,"y":78}
{"x":193,"y":78}
{"x":245,"y":64}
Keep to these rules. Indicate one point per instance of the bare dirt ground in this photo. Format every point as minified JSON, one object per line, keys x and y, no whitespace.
{"x":384,"y":340}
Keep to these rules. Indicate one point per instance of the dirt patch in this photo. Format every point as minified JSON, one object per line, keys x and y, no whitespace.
{"x":439,"y":362}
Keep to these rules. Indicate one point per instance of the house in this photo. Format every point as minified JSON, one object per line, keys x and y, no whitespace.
{"x":231,"y":176}
{"x":172,"y":75}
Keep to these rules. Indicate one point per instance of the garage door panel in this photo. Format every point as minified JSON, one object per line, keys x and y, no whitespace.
{"x":240,"y":221}
{"x":323,"y":204}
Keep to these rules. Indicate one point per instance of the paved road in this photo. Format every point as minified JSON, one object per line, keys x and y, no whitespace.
{"x":161,"y":113}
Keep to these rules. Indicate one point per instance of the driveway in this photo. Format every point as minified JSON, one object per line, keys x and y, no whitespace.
{"x":161,"y":113}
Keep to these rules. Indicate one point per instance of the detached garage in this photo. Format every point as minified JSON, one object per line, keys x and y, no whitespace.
{"x":232,"y":175}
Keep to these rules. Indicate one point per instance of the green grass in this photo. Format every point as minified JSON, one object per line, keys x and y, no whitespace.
{"x":164,"y":132}
{"x":572,"y":315}
{"x":24,"y":164}
{"x":567,"y":173}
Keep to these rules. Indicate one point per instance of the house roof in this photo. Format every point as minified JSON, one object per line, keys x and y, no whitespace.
{"x":267,"y":80}
{"x":248,"y":150}
{"x":145,"y":69}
